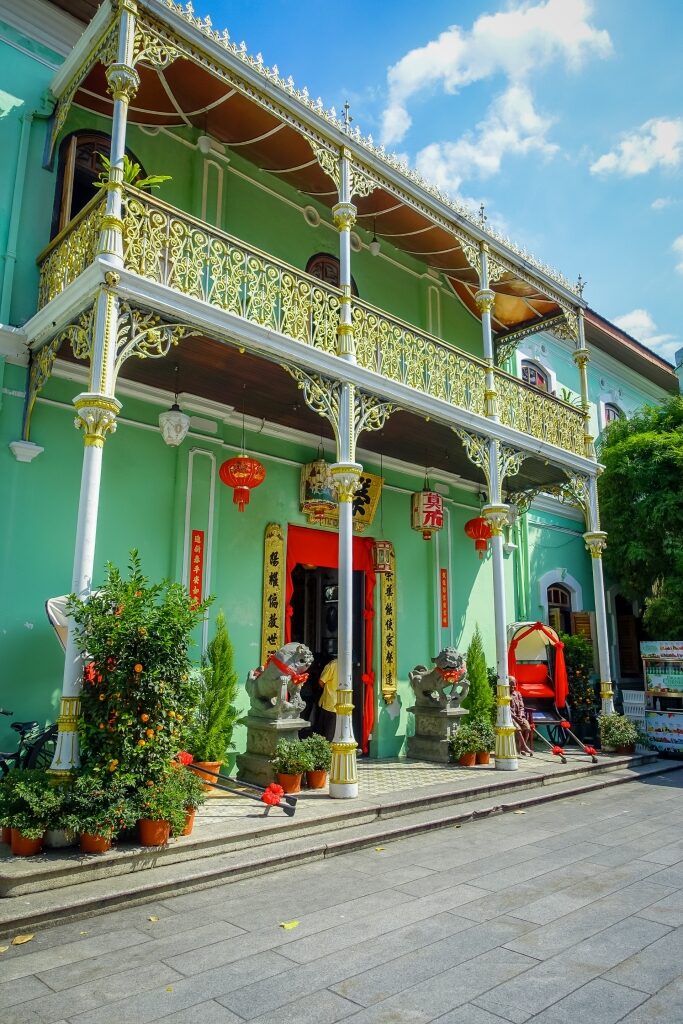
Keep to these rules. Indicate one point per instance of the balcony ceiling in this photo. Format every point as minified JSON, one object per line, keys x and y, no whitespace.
{"x":220,"y":373}
{"x":188,"y":94}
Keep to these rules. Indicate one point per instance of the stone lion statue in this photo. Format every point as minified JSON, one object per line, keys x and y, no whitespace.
{"x":275,"y":689}
{"x":450,"y":669}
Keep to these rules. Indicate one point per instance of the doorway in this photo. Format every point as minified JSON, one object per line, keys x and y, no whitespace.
{"x":315,"y":622}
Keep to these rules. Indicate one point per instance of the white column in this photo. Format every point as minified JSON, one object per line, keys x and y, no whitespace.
{"x":581,"y":357}
{"x":485,"y":298}
{"x":596,"y":541}
{"x":346,"y":472}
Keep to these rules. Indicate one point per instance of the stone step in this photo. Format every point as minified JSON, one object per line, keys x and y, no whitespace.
{"x":96,"y":894}
{"x":58,"y":869}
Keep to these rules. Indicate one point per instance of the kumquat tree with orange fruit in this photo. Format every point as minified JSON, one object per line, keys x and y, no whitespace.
{"x":135,"y":638}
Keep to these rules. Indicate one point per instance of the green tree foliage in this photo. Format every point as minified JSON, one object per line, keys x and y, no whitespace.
{"x":215,"y":713}
{"x":583,"y":698}
{"x":641,"y":496}
{"x":479,"y":701}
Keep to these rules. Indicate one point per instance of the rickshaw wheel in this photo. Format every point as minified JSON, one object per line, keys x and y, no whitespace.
{"x":556,"y":734}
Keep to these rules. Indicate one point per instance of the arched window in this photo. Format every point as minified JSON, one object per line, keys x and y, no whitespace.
{"x":325,"y":267}
{"x":560,"y":608}
{"x":79,"y":167}
{"x":534,"y":375}
{"x":612,"y":413}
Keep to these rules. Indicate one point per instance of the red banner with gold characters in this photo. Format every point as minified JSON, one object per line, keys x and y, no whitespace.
{"x":196,"y":566}
{"x":443,"y":583}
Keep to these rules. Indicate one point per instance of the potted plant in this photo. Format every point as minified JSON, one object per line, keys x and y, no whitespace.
{"x":320,"y":752}
{"x":99,"y":808}
{"x":214,"y":716}
{"x":463,"y":745}
{"x":291,"y":760}
{"x":618,"y":733}
{"x":193,"y":795}
{"x":487,"y":737}
{"x":6,"y":802}
{"x":30,"y":803}
{"x":161,"y":808}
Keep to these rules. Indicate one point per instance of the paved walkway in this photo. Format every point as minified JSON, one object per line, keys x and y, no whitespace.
{"x":572,"y":912}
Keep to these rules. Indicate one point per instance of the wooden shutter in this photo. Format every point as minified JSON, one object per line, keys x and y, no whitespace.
{"x":583,"y":624}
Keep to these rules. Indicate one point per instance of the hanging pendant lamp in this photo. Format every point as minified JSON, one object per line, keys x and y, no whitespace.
{"x":174,"y":424}
{"x":427,"y":511}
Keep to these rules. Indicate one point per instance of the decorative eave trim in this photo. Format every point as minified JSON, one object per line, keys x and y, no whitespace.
{"x":44,"y":23}
{"x":82,"y":50}
{"x":14,"y":345}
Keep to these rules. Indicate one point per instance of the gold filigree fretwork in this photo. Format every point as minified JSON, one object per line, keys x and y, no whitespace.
{"x":71,"y":251}
{"x":568,"y":328}
{"x":371,"y":413}
{"x":506,"y":344}
{"x":509,"y":461}
{"x":361,"y":181}
{"x":328,"y":160}
{"x":273,"y":614}
{"x":478,"y":450}
{"x":150,"y":49}
{"x":323,"y":396}
{"x":145,"y":336}
{"x":543,"y":416}
{"x":575,"y":491}
{"x":39,"y":374}
{"x":104,"y":52}
{"x":387,"y":590}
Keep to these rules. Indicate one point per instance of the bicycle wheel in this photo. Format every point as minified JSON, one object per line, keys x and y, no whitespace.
{"x":42,"y":749}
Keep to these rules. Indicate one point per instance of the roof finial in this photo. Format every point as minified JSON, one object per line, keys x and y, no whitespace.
{"x":580,"y":285}
{"x":347,"y":117}
{"x":482,"y":216}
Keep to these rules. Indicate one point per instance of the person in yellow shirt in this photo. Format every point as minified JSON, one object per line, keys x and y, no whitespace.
{"x":327,"y":702}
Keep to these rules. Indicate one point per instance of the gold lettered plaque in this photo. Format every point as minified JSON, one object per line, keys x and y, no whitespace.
{"x":389,"y":656}
{"x":272,"y":621}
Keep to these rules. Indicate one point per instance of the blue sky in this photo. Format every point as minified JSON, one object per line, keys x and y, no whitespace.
{"x":565,"y":117}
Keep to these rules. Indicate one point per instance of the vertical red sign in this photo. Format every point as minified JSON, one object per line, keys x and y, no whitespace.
{"x":443,"y":577}
{"x":196,"y":566}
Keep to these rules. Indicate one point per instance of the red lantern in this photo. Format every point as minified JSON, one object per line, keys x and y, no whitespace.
{"x":480,"y":532}
{"x":242,"y":473}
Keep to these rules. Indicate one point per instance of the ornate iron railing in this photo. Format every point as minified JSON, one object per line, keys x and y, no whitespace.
{"x":169,"y":247}
{"x":71,"y":251}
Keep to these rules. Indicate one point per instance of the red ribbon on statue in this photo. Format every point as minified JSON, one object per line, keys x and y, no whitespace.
{"x":451,"y":675}
{"x":298,"y":678}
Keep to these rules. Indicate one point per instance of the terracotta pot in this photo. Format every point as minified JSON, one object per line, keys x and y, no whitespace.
{"x":189,"y":820}
{"x":94,"y":844}
{"x":467,"y":760}
{"x":483,"y":757}
{"x":154,"y":833}
{"x":290,"y":783}
{"x":7,"y":835}
{"x":210,"y":766}
{"x":22,"y":847}
{"x":317,"y":779}
{"x":628,"y":748}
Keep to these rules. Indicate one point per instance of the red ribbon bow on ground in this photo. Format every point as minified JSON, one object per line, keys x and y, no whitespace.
{"x":272,"y":794}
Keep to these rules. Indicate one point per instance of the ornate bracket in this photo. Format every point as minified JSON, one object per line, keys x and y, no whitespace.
{"x":328,"y":160}
{"x":145,"y":336}
{"x":478,"y":450}
{"x":150,"y":49}
{"x":575,"y":491}
{"x":323,"y":396}
{"x":41,"y":369}
{"x":568,"y":328}
{"x":506,"y":344}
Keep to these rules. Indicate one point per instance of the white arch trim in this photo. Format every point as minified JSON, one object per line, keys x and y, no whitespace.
{"x":565,"y":579}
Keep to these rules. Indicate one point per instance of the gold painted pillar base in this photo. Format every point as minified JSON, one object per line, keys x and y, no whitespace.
{"x":66,"y":752}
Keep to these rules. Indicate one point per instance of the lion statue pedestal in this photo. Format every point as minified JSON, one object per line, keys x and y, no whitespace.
{"x":275,"y":710}
{"x":437,"y":714}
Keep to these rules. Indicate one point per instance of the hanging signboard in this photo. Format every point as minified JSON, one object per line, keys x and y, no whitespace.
{"x":317,"y":511}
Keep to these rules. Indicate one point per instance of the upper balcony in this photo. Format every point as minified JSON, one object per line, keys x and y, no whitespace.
{"x":195,"y":259}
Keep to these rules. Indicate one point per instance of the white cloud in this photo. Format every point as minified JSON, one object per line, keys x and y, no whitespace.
{"x":656,"y":143}
{"x":641,"y":326}
{"x":677,"y":247}
{"x":512,"y":125}
{"x":512,"y":43}
{"x":662,"y":203}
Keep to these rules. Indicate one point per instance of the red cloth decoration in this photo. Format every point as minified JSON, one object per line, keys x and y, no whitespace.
{"x":184,"y":757}
{"x":272,"y":794}
{"x":558,"y":750}
{"x":298,"y":678}
{"x":591,"y":751}
{"x":565,"y":724}
{"x":561,"y":682}
{"x":318,"y":547}
{"x":451,"y":675}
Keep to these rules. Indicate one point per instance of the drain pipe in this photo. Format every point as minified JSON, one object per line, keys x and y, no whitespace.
{"x":10,"y":256}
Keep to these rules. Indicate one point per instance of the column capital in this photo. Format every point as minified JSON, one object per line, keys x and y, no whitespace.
{"x":123,"y":81}
{"x":96,"y":416}
{"x":596,"y":542}
{"x":484,"y":299}
{"x":346,"y":476}
{"x":581,"y":356}
{"x":497,"y":516}
{"x":344,"y":216}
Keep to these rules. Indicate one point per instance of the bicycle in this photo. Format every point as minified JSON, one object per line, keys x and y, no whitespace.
{"x":36,"y":746}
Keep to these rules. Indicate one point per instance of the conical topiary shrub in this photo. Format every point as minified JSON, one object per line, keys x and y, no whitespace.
{"x":480,"y":700}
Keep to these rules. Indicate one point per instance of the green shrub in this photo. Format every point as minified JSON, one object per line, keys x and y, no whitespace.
{"x":484,"y":729}
{"x":466,"y":740}
{"x":583,"y":698}
{"x":99,"y":805}
{"x":320,"y":752}
{"x":215,"y":713}
{"x":292,"y":757}
{"x":617,"y":731}
{"x":480,"y":701}
{"x":31,"y":803}
{"x":163,"y":799}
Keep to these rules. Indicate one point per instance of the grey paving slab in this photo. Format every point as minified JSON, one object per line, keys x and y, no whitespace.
{"x":669,"y":853}
{"x":56,"y":1005}
{"x":20,"y":990}
{"x":203,"y":1013}
{"x":430,"y":962}
{"x":555,"y":978}
{"x":317,"y":1008}
{"x":666,"y":1007}
{"x":20,"y":961}
{"x":599,"y":1002}
{"x":653,"y":967}
{"x":670,"y":876}
{"x":470,"y":1014}
{"x":508,"y":901}
{"x":254,"y":999}
{"x":667,"y":911}
{"x":555,"y":936}
{"x":164,"y":1000}
{"x":182,"y":941}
